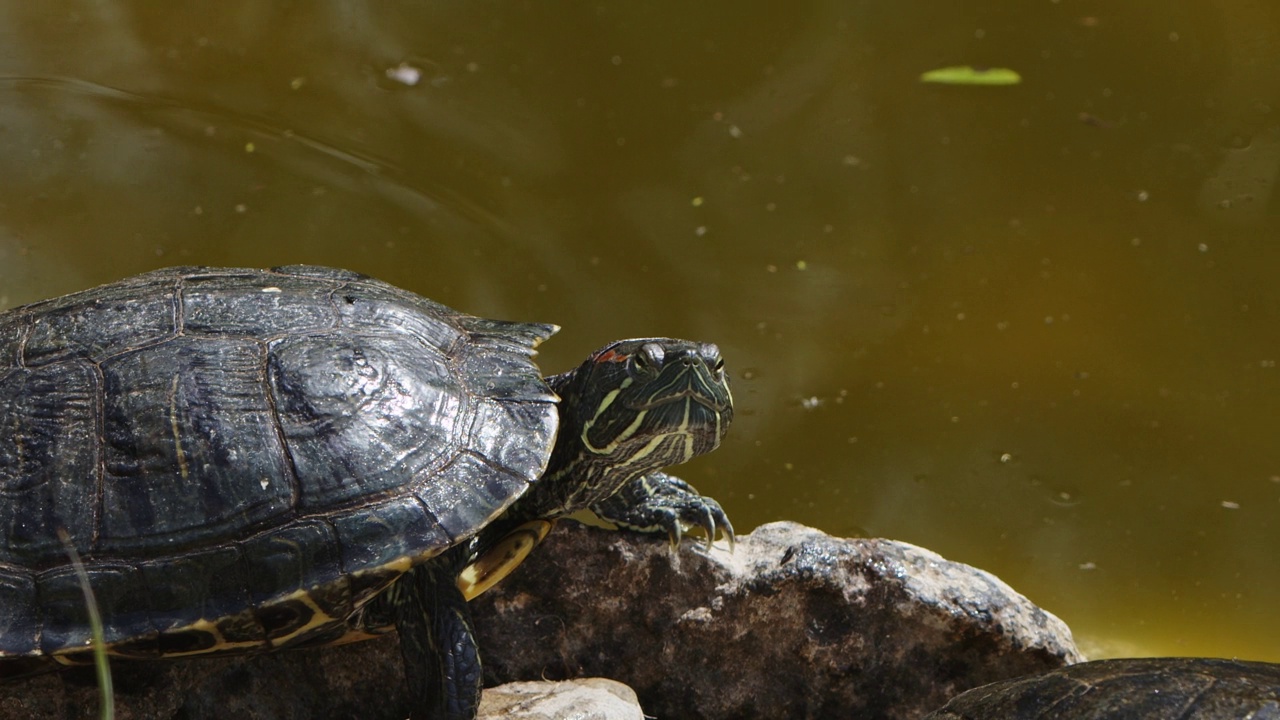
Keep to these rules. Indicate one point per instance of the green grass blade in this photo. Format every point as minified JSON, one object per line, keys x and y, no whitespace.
{"x":100,"y":663}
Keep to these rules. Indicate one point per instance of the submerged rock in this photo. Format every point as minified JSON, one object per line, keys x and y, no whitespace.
{"x":793,"y":624}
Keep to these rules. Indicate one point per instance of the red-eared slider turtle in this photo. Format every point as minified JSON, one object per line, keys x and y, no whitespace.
{"x":250,"y":460}
{"x":1183,"y":688}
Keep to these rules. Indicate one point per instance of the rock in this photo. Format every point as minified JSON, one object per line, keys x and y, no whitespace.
{"x":793,"y":624}
{"x":1185,"y":688}
{"x":586,"y":699}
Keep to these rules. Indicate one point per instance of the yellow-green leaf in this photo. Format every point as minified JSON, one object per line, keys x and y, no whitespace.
{"x":968,"y":75}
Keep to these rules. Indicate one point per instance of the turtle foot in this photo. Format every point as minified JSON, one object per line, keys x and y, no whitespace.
{"x":662,"y":503}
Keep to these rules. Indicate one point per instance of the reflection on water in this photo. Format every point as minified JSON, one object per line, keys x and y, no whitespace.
{"x":1032,"y":328}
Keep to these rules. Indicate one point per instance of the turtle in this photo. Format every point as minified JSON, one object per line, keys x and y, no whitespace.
{"x":250,"y":460}
{"x":1122,"y":688}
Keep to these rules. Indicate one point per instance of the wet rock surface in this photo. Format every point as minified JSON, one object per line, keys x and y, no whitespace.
{"x":793,"y":624}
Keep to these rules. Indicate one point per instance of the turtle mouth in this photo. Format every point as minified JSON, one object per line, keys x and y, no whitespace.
{"x":692,"y":410}
{"x":699,"y":395}
{"x":691,"y":384}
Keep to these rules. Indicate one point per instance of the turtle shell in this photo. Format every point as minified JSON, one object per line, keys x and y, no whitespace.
{"x":243,"y":458}
{"x":1185,"y":688}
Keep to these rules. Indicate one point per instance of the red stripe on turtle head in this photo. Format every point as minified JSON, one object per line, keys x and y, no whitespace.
{"x":611,"y":355}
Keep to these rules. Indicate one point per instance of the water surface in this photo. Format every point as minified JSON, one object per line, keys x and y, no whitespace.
{"x":1033,"y":328}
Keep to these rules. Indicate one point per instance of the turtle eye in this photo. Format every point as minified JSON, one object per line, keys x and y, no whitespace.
{"x":649,"y":357}
{"x":711,"y":356}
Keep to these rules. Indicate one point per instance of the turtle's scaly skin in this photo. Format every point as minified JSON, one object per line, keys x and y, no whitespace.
{"x":244,"y":457}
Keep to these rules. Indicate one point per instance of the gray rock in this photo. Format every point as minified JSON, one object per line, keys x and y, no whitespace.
{"x":586,"y":699}
{"x":793,"y":624}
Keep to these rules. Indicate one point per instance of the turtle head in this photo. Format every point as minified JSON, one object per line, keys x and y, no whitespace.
{"x":639,"y":405}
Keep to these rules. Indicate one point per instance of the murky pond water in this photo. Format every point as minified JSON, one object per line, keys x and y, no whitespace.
{"x":1031,"y":327}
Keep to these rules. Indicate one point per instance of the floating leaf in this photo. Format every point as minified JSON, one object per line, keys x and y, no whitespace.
{"x":968,"y":75}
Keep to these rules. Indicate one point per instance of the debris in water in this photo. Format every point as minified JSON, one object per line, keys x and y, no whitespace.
{"x":969,"y":75}
{"x":405,"y":74}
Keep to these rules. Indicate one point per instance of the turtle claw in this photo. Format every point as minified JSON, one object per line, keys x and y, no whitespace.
{"x":713,"y":517}
{"x":726,"y":529}
{"x":675,"y":533}
{"x":661,"y":503}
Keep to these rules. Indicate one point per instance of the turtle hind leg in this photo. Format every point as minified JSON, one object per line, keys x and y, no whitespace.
{"x":437,"y":642}
{"x":662,"y":503}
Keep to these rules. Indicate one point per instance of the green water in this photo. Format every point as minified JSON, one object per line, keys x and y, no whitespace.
{"x":1033,"y":328}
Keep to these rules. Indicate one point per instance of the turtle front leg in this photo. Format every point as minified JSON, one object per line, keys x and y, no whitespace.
{"x":662,"y":503}
{"x":437,"y":642}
